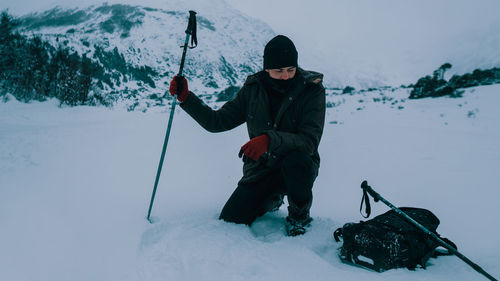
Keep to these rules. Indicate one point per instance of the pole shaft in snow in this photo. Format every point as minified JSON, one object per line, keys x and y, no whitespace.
{"x":377,"y":197}
{"x":190,"y":31}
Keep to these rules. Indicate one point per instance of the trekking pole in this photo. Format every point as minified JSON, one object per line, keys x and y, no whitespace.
{"x":376,"y":197}
{"x":190,"y":31}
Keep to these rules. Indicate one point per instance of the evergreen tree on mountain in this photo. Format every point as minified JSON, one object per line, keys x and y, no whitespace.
{"x":39,"y":56}
{"x":32,"y":69}
{"x":68,"y":77}
{"x":7,"y":49}
{"x":7,"y":25}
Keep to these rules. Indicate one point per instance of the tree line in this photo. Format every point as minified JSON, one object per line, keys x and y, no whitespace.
{"x":33,"y":69}
{"x":437,"y":86}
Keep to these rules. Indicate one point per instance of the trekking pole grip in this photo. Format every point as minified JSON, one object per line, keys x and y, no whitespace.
{"x":369,"y":189}
{"x":191,"y":23}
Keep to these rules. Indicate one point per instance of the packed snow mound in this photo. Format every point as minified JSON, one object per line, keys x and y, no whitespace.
{"x":200,"y":247}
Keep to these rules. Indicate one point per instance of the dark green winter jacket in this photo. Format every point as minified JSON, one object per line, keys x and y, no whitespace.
{"x":297,"y":126}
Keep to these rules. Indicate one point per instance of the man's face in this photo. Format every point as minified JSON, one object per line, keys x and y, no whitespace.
{"x":283,"y":73}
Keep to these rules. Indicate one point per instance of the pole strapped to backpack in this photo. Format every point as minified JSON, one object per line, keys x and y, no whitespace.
{"x":376,"y":197}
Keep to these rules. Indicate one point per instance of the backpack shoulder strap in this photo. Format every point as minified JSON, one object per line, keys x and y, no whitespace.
{"x":445,"y":252}
{"x":337,"y":234}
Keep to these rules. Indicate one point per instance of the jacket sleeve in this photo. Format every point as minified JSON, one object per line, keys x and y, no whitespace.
{"x":229,"y":116}
{"x":309,"y":132}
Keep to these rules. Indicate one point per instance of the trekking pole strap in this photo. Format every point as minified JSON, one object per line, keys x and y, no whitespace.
{"x":190,"y":32}
{"x":366,"y":199}
{"x":368,"y":209}
{"x":191,"y":29}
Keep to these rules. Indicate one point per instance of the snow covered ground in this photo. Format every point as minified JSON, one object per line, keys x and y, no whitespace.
{"x":75,"y":185}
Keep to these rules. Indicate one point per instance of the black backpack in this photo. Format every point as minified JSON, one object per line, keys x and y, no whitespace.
{"x":389,"y":241}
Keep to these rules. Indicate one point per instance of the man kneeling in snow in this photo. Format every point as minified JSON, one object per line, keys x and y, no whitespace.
{"x":284,"y":108}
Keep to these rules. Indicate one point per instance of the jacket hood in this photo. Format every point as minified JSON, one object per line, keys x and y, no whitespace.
{"x":309,"y":76}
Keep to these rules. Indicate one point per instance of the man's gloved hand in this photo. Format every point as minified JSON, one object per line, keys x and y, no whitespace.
{"x":255,"y":147}
{"x":179,"y":87}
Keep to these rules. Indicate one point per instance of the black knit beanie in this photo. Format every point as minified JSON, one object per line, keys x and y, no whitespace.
{"x":280,"y":52}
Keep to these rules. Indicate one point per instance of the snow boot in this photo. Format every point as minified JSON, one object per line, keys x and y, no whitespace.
{"x":298,"y":220}
{"x":295,"y":227}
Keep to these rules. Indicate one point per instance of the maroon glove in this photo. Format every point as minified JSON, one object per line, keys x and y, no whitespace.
{"x":255,"y":147}
{"x":179,"y":87}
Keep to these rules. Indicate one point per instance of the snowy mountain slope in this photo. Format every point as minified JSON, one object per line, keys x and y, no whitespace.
{"x":150,"y":36}
{"x":361,"y":44}
{"x":230,"y":44}
{"x":76,"y":182}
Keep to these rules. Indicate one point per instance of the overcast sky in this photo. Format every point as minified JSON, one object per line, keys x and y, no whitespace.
{"x":394,"y":41}
{"x":401,"y":37}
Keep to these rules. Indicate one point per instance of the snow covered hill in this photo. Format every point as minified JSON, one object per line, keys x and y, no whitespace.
{"x":75,"y":185}
{"x":361,"y":44}
{"x":230,"y":43}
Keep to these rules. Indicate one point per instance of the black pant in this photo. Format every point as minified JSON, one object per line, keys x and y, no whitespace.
{"x":293,"y":176}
